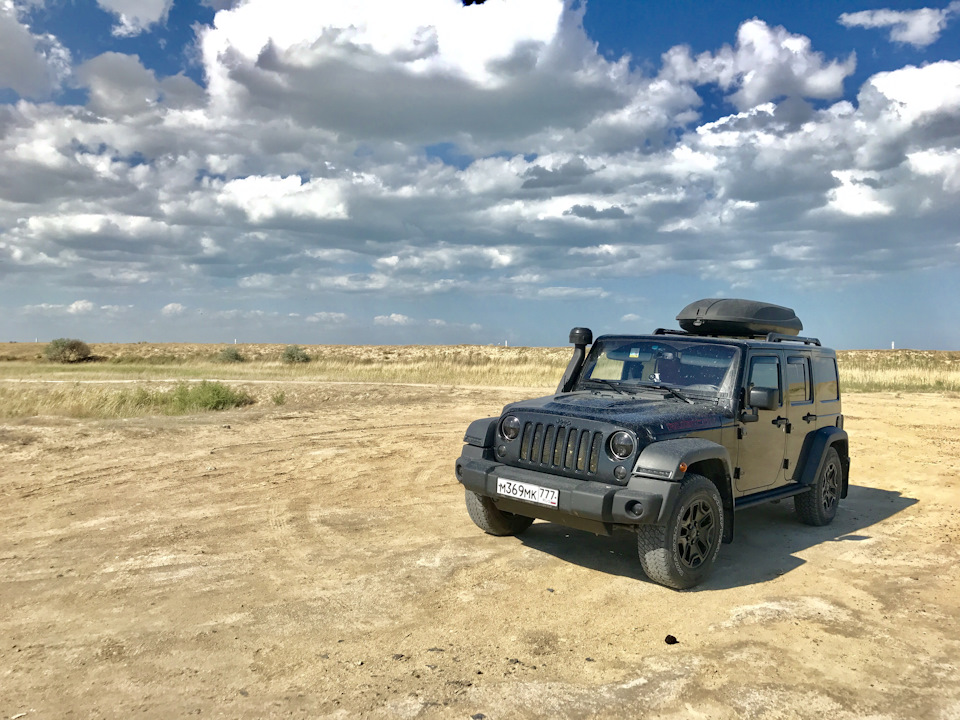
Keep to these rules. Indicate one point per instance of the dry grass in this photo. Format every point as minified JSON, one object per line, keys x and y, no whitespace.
{"x":146,"y":364}
{"x":78,"y":394}
{"x":100,"y":401}
{"x":899,"y":370}
{"x":441,"y":365}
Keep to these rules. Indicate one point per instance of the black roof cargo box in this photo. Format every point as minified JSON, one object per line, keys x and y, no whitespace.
{"x":738,"y":318}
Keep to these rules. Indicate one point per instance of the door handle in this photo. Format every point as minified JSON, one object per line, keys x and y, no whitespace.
{"x":780,"y":422}
{"x":809,"y":417}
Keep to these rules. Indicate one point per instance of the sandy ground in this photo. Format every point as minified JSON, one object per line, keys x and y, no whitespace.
{"x":316,"y":560}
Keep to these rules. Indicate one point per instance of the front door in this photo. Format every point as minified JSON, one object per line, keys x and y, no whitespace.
{"x":763,"y":445}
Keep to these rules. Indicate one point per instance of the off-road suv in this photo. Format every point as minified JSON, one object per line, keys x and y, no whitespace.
{"x":667,"y":434}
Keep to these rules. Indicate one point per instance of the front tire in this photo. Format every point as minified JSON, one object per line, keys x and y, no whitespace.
{"x":491,"y":519}
{"x":819,"y":505}
{"x":681,"y":553}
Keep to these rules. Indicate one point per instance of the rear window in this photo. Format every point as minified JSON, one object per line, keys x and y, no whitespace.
{"x":825,"y":377}
{"x":798,"y":380}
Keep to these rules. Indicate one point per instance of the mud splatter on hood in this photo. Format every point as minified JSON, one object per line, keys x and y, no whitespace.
{"x":647,"y":413}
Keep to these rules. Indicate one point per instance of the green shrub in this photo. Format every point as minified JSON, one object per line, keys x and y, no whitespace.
{"x":230,"y":355}
{"x":159,"y":359}
{"x":182,"y":399}
{"x":279,"y":397}
{"x":66,"y":350}
{"x":295,"y":354}
{"x":206,"y":395}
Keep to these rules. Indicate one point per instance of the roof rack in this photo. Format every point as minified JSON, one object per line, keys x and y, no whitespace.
{"x":770,"y":337}
{"x":780,"y":337}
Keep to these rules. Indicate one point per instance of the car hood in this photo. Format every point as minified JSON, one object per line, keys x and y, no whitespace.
{"x":647,"y":413}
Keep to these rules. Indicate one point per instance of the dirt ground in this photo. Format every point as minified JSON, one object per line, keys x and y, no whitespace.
{"x":316,"y":560}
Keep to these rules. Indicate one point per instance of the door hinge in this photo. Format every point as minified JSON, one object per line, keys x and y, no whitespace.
{"x":736,"y":473}
{"x":740,"y":433}
{"x":786,"y":464}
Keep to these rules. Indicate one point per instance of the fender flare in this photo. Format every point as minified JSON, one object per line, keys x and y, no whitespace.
{"x":669,"y":460}
{"x":662,"y":460}
{"x":815,"y":451}
{"x":481,"y":433}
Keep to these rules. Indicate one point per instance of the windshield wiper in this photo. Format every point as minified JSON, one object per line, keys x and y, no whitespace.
{"x":670,"y":390}
{"x":615,"y":384}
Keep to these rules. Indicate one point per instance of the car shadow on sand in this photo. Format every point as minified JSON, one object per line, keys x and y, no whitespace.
{"x":767,"y":539}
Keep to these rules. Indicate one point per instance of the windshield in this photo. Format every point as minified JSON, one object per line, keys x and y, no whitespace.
{"x":698,"y":369}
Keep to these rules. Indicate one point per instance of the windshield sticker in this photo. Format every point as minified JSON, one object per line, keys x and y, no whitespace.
{"x":634,"y":353}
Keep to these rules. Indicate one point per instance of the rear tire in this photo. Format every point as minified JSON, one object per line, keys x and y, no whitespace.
{"x":819,"y":505}
{"x":681,"y":553}
{"x":491,"y":519}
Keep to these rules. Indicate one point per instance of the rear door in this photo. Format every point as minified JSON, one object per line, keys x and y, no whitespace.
{"x":799,"y":408}
{"x":826,"y":390}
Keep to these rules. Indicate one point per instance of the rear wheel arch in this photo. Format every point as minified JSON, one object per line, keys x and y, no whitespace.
{"x":813,"y":457}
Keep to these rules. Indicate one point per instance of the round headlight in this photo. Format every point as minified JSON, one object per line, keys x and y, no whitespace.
{"x":621,"y":445}
{"x":510,"y":427}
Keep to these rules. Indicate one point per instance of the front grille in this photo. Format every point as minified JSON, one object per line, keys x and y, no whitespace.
{"x":573,"y":450}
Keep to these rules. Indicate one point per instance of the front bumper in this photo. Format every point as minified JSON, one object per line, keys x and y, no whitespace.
{"x":643,"y":501}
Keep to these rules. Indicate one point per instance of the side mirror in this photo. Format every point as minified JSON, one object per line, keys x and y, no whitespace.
{"x":764,"y":398}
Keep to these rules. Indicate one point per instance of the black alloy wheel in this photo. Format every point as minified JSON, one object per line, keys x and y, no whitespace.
{"x":698,"y":533}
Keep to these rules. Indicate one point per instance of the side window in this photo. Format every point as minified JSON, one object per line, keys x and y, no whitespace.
{"x":798,"y":380}
{"x":765,"y":373}
{"x":825,"y":376}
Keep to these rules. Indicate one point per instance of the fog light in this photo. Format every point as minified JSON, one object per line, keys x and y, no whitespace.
{"x":634,"y":508}
{"x":620,"y":472}
{"x":501,"y":450}
{"x":459,"y":471}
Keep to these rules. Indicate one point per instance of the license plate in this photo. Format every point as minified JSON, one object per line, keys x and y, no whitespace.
{"x":527,"y":492}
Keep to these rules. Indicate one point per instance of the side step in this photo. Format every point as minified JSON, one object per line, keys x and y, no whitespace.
{"x":768,"y":495}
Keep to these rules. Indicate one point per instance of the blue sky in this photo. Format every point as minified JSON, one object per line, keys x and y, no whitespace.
{"x":423,"y":172}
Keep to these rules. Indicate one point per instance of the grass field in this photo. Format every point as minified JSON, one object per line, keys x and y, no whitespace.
{"x":156,"y":373}
{"x":899,"y":370}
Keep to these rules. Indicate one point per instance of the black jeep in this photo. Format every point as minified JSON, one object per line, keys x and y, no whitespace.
{"x":667,"y":434}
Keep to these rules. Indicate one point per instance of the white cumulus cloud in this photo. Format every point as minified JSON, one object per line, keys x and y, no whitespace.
{"x":264,"y":198}
{"x":81,"y":307}
{"x":425,"y":155}
{"x":766,"y":63}
{"x":919,"y":27}
{"x":326,"y":318}
{"x":173,"y":309}
{"x":32,"y":65}
{"x":78,"y":307}
{"x":392,"y":319}
{"x":136,"y":16}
